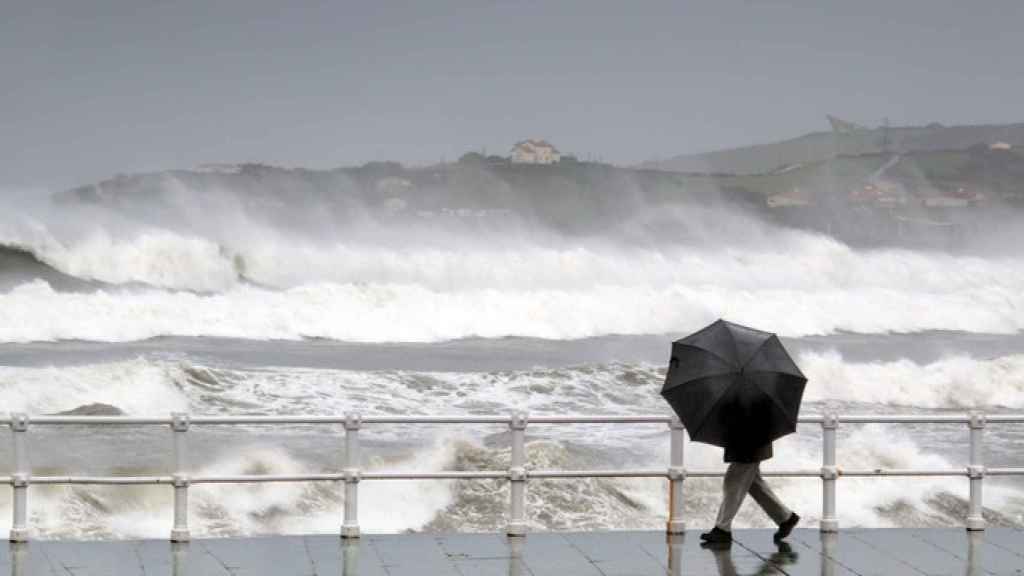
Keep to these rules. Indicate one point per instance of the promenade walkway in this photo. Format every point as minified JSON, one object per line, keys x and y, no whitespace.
{"x":882,"y":552}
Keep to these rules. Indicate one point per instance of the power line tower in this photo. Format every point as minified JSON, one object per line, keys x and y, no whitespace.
{"x":885,"y":135}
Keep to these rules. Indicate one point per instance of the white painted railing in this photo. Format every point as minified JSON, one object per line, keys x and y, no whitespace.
{"x":517,"y":473}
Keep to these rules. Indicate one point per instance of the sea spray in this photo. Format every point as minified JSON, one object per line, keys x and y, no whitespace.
{"x":162,"y":385}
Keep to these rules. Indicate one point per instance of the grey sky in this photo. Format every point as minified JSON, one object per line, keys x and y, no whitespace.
{"x":92,"y":88}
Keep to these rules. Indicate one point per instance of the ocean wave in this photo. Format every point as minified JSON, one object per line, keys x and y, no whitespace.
{"x":213,"y":265}
{"x":950,"y":382}
{"x":105,"y":512}
{"x":154,"y":387}
{"x":411,"y":313}
{"x":19,"y":265}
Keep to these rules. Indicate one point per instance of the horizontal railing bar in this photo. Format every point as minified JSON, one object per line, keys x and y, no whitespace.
{"x":472,"y":419}
{"x":1005,"y":418}
{"x":259,"y":478}
{"x":493,"y":474}
{"x":111,"y":480}
{"x":276,"y":419}
{"x":449,"y":475}
{"x":100,"y":420}
{"x":658,"y":473}
{"x":1013,"y":471}
{"x":901,"y":472}
{"x":452,"y":419}
{"x":601,"y":419}
{"x":705,"y":473}
{"x":904,"y":418}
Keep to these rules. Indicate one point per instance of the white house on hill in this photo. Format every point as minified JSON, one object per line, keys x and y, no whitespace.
{"x":535,"y":152}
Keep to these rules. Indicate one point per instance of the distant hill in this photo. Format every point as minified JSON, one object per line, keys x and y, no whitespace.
{"x":820,"y":146}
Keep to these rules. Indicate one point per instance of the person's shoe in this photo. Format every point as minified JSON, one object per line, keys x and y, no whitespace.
{"x":717,"y":536}
{"x":786,"y":527}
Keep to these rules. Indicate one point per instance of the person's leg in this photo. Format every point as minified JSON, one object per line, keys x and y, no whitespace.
{"x":767,"y":500}
{"x":737,"y":481}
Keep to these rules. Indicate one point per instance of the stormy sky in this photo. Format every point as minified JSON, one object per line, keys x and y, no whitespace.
{"x":97,"y":87}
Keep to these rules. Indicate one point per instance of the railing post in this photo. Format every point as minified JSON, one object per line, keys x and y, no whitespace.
{"x":676,"y":476}
{"x":350,"y":525}
{"x":517,"y":476}
{"x":829,"y":473}
{"x":179,"y":426}
{"x":20,"y":478}
{"x":976,"y":471}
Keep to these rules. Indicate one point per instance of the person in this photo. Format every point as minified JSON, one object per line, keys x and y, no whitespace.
{"x":743,"y":476}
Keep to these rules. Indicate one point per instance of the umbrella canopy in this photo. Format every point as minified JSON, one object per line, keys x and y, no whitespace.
{"x":734,"y":386}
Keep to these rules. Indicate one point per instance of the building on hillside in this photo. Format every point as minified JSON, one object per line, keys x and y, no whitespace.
{"x":535,"y":152}
{"x":879,"y":193}
{"x":999,"y":146}
{"x":797,"y":197}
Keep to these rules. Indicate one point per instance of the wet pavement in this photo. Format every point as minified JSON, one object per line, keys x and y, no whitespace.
{"x":807,"y":552}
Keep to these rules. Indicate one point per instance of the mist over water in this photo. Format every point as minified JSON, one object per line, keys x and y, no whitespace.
{"x":279,"y":262}
{"x":220,"y":263}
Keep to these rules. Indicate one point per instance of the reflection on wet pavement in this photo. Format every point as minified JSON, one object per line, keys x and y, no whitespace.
{"x":855,"y":552}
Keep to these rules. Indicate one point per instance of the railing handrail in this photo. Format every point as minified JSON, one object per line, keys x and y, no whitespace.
{"x":517,"y":473}
{"x":255,"y":419}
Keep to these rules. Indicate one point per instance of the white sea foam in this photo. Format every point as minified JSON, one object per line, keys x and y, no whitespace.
{"x":951,"y":382}
{"x":134,"y":386}
{"x":418,"y":282}
{"x":369,"y":312}
{"x":389,"y":506}
{"x":144,"y":387}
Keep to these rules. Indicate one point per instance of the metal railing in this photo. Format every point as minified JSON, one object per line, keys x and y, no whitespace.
{"x":517,"y":473}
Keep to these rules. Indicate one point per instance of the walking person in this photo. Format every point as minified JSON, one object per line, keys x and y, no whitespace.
{"x":742,"y":477}
{"x":736,"y":387}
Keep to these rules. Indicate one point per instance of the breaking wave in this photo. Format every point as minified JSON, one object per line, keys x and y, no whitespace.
{"x":394,"y":312}
{"x":144,"y":386}
{"x":474,"y":505}
{"x":187,"y":263}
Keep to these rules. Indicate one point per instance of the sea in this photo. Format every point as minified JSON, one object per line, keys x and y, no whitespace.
{"x":231,"y":302}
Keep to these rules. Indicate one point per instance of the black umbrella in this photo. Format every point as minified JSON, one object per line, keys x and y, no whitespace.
{"x":734,"y":386}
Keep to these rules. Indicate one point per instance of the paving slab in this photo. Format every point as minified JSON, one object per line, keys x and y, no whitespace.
{"x":162,"y":558}
{"x":683,"y":553}
{"x":348,"y":557}
{"x":791,"y":556}
{"x":615,"y":556}
{"x":971,"y":547}
{"x":262,"y":555}
{"x":551,"y":554}
{"x":30,"y":559}
{"x":1008,"y":539}
{"x":476,"y":546}
{"x":914,"y":551}
{"x":413,"y":555}
{"x":97,"y":559}
{"x":853,"y":554}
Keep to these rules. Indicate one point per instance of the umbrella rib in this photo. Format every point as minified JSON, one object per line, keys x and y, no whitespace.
{"x":784,"y":351}
{"x":711,"y":352}
{"x":773,"y":398}
{"x":754,"y":355}
{"x":736,"y":347}
{"x":704,"y":415}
